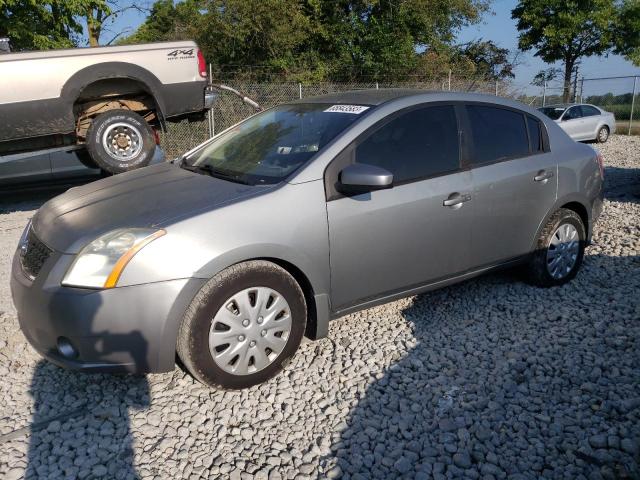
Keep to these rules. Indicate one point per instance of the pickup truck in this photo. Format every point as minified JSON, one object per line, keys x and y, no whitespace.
{"x":109,"y":99}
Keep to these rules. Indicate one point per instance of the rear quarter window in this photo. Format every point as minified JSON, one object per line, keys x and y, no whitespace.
{"x":497,"y":134}
{"x":535,"y":135}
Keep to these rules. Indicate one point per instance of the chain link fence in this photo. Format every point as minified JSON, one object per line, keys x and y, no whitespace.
{"x":229,"y":109}
{"x":619,"y":95}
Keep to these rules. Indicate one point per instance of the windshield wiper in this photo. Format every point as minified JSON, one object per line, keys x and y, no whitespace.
{"x":214,"y":172}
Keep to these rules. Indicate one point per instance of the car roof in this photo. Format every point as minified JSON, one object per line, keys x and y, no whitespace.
{"x":384,"y":95}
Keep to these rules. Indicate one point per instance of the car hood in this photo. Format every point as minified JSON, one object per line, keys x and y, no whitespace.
{"x":148,"y":197}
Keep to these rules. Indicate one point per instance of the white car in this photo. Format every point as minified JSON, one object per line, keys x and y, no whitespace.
{"x":582,"y":122}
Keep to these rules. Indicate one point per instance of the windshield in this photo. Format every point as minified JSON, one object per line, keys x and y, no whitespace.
{"x":554,"y":113}
{"x":270,"y":146}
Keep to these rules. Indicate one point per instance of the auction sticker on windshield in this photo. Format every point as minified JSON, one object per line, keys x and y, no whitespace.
{"x":356,"y":109}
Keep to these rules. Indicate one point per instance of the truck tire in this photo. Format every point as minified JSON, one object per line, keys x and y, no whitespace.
{"x":120,"y":140}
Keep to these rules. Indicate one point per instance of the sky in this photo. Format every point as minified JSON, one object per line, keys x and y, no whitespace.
{"x":498,"y":26}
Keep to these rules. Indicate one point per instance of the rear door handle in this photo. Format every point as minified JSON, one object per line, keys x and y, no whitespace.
{"x":542,"y":176}
{"x":456,"y":199}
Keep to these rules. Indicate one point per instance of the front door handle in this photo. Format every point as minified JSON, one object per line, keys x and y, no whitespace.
{"x":456,"y":199}
{"x":543,"y":176}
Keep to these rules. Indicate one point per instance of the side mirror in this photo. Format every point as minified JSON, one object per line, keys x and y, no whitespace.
{"x":361,"y":178}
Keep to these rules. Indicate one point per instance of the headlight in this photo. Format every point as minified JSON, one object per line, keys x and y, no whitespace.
{"x":99,"y":264}
{"x":24,"y":239}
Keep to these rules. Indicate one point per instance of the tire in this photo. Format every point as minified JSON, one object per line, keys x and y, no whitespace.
{"x":539,"y":270}
{"x":213,"y":302}
{"x":603,"y":135}
{"x":120,"y":126}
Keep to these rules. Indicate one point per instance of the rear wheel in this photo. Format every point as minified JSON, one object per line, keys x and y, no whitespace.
{"x":120,"y":140}
{"x":559,"y":251}
{"x":244,"y":326}
{"x":603,"y":134}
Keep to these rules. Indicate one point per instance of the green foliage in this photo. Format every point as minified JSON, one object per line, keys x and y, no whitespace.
{"x":562,"y":29}
{"x":627,"y":31}
{"x":42,"y":24}
{"x":489,"y":60}
{"x":312,"y":40}
{"x":168,"y":21}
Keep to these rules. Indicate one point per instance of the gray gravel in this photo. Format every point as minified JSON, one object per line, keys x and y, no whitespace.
{"x":488,"y":379}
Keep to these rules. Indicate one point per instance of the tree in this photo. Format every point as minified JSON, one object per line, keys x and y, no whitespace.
{"x":627,"y":32}
{"x":168,"y":21}
{"x":381,"y":39}
{"x":43,"y":24}
{"x":545,"y":76}
{"x":315,"y":39}
{"x":567,"y":30}
{"x":488,"y":60}
{"x":100,"y":14}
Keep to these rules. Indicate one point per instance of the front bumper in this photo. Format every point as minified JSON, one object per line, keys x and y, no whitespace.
{"x":125,"y":329}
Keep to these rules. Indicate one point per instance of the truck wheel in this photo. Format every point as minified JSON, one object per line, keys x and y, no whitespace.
{"x":120,"y":140}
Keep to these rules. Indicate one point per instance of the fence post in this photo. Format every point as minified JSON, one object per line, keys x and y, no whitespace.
{"x":449,"y":79}
{"x":300,"y":88}
{"x":544,"y":93}
{"x":377,"y":85}
{"x":582,"y":89}
{"x":633,"y":101}
{"x":496,"y":87}
{"x":212,"y":120}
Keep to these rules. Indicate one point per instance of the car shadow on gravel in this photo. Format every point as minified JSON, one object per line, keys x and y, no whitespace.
{"x":81,"y":422}
{"x":80,"y":426}
{"x":622,"y":184}
{"x":508,"y":381}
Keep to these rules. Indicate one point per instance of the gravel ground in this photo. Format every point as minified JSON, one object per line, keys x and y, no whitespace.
{"x":487,"y":379}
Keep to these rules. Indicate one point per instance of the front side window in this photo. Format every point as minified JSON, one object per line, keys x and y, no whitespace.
{"x":589,"y":111}
{"x":417,"y":144}
{"x":497,"y":134}
{"x":270,"y":146}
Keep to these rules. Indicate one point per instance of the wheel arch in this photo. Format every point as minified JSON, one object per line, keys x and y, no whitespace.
{"x":298,"y":266}
{"x":84,"y":78}
{"x":570,"y":202}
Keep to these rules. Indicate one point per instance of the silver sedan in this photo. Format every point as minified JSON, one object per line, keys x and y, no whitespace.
{"x":582,"y":122}
{"x":308,"y":211}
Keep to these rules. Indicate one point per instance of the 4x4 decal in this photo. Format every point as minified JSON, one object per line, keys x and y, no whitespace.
{"x":180,"y":54}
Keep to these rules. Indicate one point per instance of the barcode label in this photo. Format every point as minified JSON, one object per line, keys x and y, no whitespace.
{"x":355,"y":109}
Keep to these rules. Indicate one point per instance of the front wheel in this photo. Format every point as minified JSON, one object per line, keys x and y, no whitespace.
{"x":243,"y":326}
{"x":559,"y":250}
{"x":120,"y":140}
{"x":603,"y":134}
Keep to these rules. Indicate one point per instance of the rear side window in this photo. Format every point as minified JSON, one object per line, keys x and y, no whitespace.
{"x":497,"y":134}
{"x":535,"y":136}
{"x":572,"y":114}
{"x":589,"y":111}
{"x":417,"y":144}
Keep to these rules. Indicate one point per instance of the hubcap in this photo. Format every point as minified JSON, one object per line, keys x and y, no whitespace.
{"x":562,"y":252}
{"x":603,"y":134}
{"x":250,"y":330}
{"x":122,"y":141}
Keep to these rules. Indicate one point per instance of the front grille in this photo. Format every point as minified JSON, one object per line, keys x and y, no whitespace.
{"x":33,"y":255}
